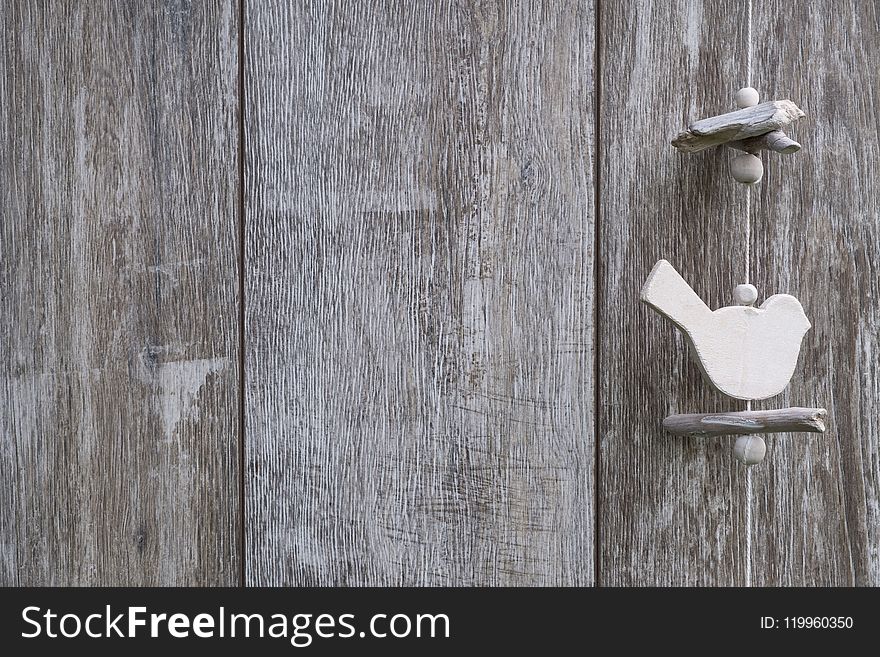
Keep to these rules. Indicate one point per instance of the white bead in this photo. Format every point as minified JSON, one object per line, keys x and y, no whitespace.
{"x":750,"y":450}
{"x":745,"y":294}
{"x":747,"y":97}
{"x":746,"y":168}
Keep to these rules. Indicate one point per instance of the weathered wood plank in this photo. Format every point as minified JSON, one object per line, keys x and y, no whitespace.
{"x":419,"y":293}
{"x":671,"y":509}
{"x":817,"y":235}
{"x":118,"y":372}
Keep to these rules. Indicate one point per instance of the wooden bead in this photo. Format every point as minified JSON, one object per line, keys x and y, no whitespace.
{"x":746,"y":169}
{"x":745,"y":294}
{"x":747,"y":97}
{"x":750,"y":450}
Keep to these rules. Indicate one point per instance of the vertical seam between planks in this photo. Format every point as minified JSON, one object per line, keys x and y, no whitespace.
{"x":597,"y":105}
{"x":242,"y":527}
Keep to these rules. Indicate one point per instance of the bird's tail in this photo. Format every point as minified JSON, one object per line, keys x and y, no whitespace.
{"x":668,"y":293}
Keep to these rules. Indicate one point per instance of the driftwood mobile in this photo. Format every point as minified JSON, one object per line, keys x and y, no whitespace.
{"x":744,"y":352}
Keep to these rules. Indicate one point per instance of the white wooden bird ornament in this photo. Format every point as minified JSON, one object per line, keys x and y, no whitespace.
{"x":744,"y":352}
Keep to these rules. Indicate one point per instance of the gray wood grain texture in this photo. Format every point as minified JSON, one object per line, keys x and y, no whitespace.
{"x":419,"y":293}
{"x":118,"y":372}
{"x":671,"y":510}
{"x":817,"y":235}
{"x":421,"y":341}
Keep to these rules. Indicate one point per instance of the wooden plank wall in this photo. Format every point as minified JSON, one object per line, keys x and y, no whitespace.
{"x":119,"y":368}
{"x":419,"y":294}
{"x":447,"y":376}
{"x":671,"y":510}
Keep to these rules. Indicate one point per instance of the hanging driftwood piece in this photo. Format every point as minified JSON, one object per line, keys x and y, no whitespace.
{"x":736,"y":126}
{"x":781,"y":420}
{"x":776,"y":141}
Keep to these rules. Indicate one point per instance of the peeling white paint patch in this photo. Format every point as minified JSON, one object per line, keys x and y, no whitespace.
{"x":179,"y":384}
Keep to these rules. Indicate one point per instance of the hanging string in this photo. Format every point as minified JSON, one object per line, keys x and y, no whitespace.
{"x":748,"y":187}
{"x":748,"y":402}
{"x":748,"y":240}
{"x":747,"y":280}
{"x":749,"y":47}
{"x":748,"y":522}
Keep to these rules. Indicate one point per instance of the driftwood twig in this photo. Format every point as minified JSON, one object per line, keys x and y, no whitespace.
{"x":779,"y":420}
{"x":737,"y":126}
{"x":772,"y":141}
